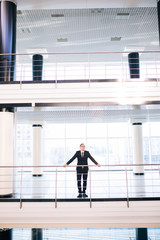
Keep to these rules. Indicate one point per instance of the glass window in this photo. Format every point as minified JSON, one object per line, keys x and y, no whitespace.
{"x":119,"y":151}
{"x":155,"y":149}
{"x":24,"y":131}
{"x":155,"y":128}
{"x":151,"y":134}
{"x":74,"y":71}
{"x":54,"y":152}
{"x":98,"y":149}
{"x":146,"y":150}
{"x":118,"y":129}
{"x":97,"y":71}
{"x":96,"y":130}
{"x":146,"y":129}
{"x":24,"y":152}
{"x":76,"y":130}
{"x":54,"y":131}
{"x":109,"y":143}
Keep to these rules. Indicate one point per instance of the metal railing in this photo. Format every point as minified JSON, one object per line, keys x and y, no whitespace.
{"x":84,"y":67}
{"x":58,"y":183}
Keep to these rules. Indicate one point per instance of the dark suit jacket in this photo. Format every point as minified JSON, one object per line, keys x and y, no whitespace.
{"x":82,"y":160}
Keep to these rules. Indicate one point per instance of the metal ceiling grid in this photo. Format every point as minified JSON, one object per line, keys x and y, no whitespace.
{"x":86,"y":31}
{"x":89,"y":115}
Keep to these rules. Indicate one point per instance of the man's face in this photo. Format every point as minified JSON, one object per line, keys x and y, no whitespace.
{"x":82,"y":147}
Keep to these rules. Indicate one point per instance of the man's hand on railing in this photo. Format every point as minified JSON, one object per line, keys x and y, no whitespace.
{"x":65,"y":165}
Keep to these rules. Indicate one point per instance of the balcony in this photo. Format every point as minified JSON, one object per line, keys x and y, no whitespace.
{"x":116,"y":198}
{"x":83,"y":78}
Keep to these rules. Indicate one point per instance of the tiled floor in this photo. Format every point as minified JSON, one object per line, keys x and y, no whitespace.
{"x":102,"y":184}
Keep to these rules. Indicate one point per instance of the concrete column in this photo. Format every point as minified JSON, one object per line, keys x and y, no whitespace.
{"x":139,"y":187}
{"x":8,"y":15}
{"x":6,"y":153}
{"x":141,"y":234}
{"x":6,"y":234}
{"x":37,"y":234}
{"x":138,"y":147}
{"x":37,"y":188}
{"x":133,"y":60}
{"x":37,"y":149}
{"x":158,"y":10}
{"x":37,"y":67}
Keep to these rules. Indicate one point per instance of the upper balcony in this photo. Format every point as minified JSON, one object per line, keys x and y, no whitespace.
{"x":83,"y":78}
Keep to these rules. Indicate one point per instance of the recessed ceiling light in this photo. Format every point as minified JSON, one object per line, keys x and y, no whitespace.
{"x":25,"y":30}
{"x":42,"y":51}
{"x":97,"y":10}
{"x":122,"y":16}
{"x":115,"y":39}
{"x":19,"y":12}
{"x":61,"y":40}
{"x":57,"y":15}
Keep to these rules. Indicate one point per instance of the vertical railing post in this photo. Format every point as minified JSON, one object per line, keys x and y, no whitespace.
{"x":90,"y":188}
{"x":15,"y":153}
{"x":15,"y":62}
{"x":21,"y":188}
{"x":156,"y":66}
{"x":123,"y":72}
{"x":89,"y":70}
{"x":21,"y":74}
{"x":56,"y":189}
{"x":56,"y":73}
{"x":127,"y":187}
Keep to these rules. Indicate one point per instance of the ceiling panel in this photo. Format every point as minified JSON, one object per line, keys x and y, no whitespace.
{"x":87,"y":30}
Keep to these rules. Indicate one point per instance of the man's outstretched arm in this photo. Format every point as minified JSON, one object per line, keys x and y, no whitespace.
{"x":93,"y":160}
{"x":71,"y":160}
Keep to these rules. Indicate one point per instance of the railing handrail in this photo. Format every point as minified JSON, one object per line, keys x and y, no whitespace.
{"x":55,"y":166}
{"x":73,"y":53}
{"x":56,"y":188}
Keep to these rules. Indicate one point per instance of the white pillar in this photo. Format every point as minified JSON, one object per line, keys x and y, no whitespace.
{"x":37,"y":149}
{"x":138,"y":148}
{"x":6,"y":153}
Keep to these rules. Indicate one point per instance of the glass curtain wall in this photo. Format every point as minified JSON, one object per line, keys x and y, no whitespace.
{"x":109,"y":143}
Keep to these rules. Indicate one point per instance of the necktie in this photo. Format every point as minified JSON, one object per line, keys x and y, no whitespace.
{"x":82,"y":154}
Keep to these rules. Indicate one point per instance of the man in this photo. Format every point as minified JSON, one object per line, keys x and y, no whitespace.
{"x":82,"y":169}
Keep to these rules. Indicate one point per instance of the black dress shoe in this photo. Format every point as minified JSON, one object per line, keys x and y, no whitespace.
{"x":85,"y":195}
{"x":80,"y":195}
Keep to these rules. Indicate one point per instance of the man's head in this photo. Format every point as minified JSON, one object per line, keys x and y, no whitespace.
{"x":82,"y":146}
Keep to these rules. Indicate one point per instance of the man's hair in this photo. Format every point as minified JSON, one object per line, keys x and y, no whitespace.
{"x":82,"y":144}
